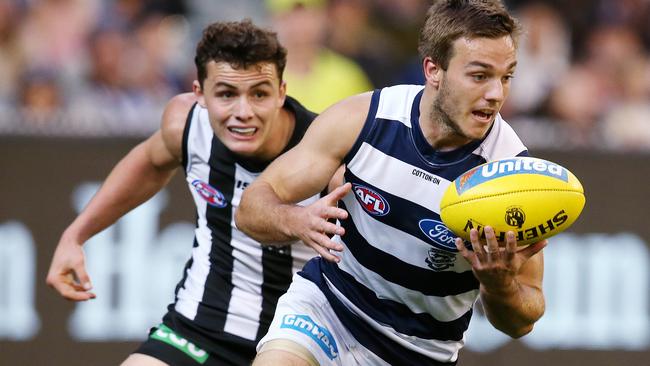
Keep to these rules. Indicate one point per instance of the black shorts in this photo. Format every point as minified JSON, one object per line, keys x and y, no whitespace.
{"x":172,"y":348}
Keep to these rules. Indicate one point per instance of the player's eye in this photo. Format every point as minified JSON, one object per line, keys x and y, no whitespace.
{"x":259,"y":94}
{"x":479,"y":77}
{"x":225,"y":94}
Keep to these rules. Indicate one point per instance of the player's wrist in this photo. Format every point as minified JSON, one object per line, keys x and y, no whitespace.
{"x":502,"y":290}
{"x":290,"y":220}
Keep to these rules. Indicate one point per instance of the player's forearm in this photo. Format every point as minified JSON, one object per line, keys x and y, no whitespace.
{"x":515,"y":309}
{"x":264,"y":217}
{"x":131,"y":182}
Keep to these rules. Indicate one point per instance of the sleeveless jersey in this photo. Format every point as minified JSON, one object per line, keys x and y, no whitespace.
{"x":231,"y":283}
{"x":402,"y":288}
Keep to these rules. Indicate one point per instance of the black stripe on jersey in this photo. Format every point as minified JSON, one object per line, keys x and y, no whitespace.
{"x":186,"y":134}
{"x":379,"y":344}
{"x":277,"y":273}
{"x":180,"y":284}
{"x":218,"y":284}
{"x":426,"y":281}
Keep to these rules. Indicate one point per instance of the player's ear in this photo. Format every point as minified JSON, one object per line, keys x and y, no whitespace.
{"x":198,"y":91}
{"x":283,"y":91}
{"x":432,"y":71}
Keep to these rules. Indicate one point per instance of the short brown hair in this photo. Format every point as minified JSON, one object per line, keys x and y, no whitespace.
{"x":241,"y":44}
{"x":449,"y":20}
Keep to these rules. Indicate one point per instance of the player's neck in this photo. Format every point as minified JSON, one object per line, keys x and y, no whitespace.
{"x":439,"y":135}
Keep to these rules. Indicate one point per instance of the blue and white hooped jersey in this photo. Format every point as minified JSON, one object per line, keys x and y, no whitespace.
{"x":402,"y":288}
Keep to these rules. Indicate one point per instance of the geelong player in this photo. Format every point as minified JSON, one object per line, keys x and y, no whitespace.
{"x":390,"y":288}
{"x":222,"y":136}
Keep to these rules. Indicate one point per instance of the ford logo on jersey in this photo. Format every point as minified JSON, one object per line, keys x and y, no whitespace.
{"x":212,"y":196}
{"x":439,"y":234}
{"x":304,"y":324}
{"x":371,"y":201}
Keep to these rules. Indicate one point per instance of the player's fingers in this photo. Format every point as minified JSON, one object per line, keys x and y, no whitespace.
{"x":533,"y":249}
{"x":333,"y":197}
{"x":324,"y":241}
{"x":81,"y":277}
{"x":71,"y":294}
{"x":492,"y":246}
{"x":65,"y":287}
{"x":332,"y":229}
{"x":462,"y":249}
{"x":511,"y":246}
{"x":331,"y":212}
{"x":476,"y":244}
{"x":323,"y":246}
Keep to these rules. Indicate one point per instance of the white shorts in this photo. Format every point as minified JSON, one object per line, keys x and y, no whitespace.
{"x":304,"y":316}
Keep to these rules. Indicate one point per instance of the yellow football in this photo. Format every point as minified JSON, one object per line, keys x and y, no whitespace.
{"x":532,"y":197}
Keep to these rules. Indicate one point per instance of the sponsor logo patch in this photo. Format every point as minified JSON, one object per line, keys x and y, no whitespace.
{"x":371,"y":201}
{"x":167,"y":335}
{"x":440,"y":235}
{"x":505,"y":167}
{"x":439,"y":260}
{"x":304,"y":324}
{"x":211,"y":195}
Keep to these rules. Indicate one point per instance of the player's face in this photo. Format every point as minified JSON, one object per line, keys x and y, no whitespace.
{"x":474,"y":86}
{"x":244,"y":106}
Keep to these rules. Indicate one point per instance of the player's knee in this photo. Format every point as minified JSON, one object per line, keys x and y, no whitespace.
{"x":138,"y":359}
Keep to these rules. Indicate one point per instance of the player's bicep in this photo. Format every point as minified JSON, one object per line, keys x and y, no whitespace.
{"x":300,"y":173}
{"x":308,"y":168}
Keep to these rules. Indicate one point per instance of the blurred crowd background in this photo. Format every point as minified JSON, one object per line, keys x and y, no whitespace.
{"x":106,"y":68}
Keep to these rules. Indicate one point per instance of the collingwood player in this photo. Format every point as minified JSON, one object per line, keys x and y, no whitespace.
{"x":223,"y":135}
{"x":392,"y":286}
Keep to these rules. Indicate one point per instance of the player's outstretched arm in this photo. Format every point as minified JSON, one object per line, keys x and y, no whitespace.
{"x":267,"y":211}
{"x":136,"y":178}
{"x":510,"y":280}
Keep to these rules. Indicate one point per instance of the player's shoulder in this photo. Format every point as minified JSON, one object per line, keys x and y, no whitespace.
{"x":174,"y":119}
{"x":397,"y":102}
{"x":356,"y":105}
{"x":179,"y":106}
{"x":176,"y":112}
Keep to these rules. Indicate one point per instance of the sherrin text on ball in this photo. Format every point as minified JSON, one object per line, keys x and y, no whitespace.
{"x":532,"y":197}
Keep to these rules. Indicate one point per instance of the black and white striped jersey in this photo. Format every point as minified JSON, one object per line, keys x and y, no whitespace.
{"x":231,"y":283}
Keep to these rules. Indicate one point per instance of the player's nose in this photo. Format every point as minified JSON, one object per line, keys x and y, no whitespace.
{"x":243,"y":109}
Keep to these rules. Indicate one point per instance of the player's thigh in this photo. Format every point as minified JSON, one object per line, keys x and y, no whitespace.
{"x":277,"y":357}
{"x":138,"y":359}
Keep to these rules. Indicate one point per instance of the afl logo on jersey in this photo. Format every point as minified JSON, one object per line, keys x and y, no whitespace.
{"x":209,"y":194}
{"x":371,"y":201}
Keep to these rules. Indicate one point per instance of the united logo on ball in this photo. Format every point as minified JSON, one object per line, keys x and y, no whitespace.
{"x":532,"y":197}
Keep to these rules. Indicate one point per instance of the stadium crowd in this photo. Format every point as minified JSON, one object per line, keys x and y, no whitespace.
{"x":106,"y":67}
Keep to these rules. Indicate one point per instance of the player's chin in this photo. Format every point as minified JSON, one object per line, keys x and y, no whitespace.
{"x":244,"y":148}
{"x":478,"y":132}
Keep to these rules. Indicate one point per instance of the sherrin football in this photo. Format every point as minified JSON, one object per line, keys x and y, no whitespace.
{"x":534,"y":198}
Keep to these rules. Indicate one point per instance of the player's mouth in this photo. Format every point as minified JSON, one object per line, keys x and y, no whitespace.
{"x":242,"y":132}
{"x":483,"y":115}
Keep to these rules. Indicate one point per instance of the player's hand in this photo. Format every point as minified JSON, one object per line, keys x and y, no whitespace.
{"x":494,"y":265}
{"x":313,"y":227}
{"x":67,"y":274}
